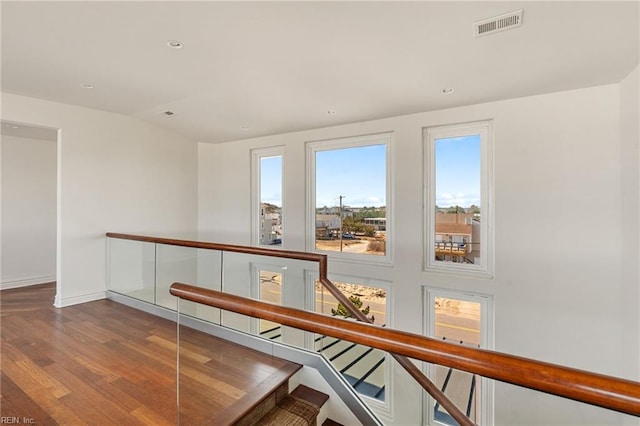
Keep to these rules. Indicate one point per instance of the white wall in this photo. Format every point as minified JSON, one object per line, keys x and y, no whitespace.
{"x":115,"y":173}
{"x":559,"y":290}
{"x":28,"y":211}
{"x":630,"y":138}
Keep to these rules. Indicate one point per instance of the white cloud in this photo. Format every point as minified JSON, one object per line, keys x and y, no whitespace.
{"x":460,"y":199}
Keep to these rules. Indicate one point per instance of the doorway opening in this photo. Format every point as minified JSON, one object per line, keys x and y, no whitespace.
{"x":30,"y":206}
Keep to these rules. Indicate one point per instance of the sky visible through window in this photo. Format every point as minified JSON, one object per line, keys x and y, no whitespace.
{"x":359,"y":174}
{"x":271,"y":180}
{"x":458,"y":171}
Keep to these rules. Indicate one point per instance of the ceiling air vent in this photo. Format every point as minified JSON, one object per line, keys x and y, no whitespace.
{"x":498,"y":23}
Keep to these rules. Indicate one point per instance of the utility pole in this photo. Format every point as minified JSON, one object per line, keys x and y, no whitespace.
{"x":341,"y":197}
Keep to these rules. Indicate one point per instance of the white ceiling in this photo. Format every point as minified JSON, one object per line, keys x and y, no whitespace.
{"x":277,"y":67}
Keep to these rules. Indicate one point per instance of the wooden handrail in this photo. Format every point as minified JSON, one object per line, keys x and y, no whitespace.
{"x":604,"y":391}
{"x":414,"y":371}
{"x":321,"y":259}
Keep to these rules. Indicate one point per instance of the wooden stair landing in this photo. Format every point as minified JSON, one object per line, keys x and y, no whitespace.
{"x":104,"y":363}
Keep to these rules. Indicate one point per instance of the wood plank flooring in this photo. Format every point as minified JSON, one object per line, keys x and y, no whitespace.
{"x":102,"y":363}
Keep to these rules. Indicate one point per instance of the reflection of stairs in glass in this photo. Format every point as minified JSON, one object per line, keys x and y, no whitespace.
{"x":273,"y":333}
{"x":361,"y":366}
{"x":457,"y":382}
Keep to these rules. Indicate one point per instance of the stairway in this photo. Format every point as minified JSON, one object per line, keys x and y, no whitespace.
{"x":361,"y":366}
{"x":300,"y":408}
{"x":271,"y":404}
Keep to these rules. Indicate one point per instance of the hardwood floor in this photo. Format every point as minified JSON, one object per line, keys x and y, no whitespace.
{"x":102,"y":363}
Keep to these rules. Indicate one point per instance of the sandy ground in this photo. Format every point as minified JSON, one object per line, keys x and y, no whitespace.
{"x":348,"y":246}
{"x":456,"y":319}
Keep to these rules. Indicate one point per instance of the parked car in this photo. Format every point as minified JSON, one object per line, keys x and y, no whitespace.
{"x":348,"y":236}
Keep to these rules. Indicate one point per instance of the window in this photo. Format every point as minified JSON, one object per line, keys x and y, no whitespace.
{"x":458,"y":172}
{"x":463,"y":319}
{"x":270,"y":290}
{"x":267,"y":171}
{"x":349,"y":187}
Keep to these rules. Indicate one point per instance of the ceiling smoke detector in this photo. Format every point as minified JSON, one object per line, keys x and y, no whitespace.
{"x":498,"y":23}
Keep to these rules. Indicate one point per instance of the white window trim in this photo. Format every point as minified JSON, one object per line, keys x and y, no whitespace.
{"x":256,"y":156}
{"x":486,"y":342}
{"x":344,"y":143}
{"x":430,"y":135}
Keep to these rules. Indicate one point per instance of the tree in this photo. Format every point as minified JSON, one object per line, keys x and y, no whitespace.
{"x":473,"y":209}
{"x":369,"y":231}
{"x":343,"y":312}
{"x":270,"y":208}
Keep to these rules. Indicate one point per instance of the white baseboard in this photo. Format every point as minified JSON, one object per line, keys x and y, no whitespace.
{"x":76,"y":300}
{"x":6,"y":285}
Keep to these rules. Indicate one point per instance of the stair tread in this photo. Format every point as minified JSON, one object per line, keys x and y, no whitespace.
{"x":291,"y":411}
{"x":313,"y":396}
{"x":240,"y":412}
{"x":330,"y":422}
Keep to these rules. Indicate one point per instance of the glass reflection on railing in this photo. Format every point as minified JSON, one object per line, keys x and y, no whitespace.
{"x":206,"y":379}
{"x":131,"y":269}
{"x":462,"y":389}
{"x":145,"y":271}
{"x":270,"y":290}
{"x":457,"y":321}
{"x":269,"y":279}
{"x":363,"y":367}
{"x":181,"y":264}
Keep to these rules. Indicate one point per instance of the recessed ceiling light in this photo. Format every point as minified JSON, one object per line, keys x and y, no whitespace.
{"x":331,"y":112}
{"x":174,"y":44}
{"x":448,"y":91}
{"x":86,"y":85}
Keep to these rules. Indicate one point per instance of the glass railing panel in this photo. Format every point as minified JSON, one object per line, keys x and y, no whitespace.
{"x":199,"y":267}
{"x":200,"y":395}
{"x":370,"y":300}
{"x":268,"y":279}
{"x":366,"y":369}
{"x":458,"y":322}
{"x":131,"y":268}
{"x":462,"y":388}
{"x":270,"y":290}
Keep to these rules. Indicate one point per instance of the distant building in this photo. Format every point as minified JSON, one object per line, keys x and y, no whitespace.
{"x":327,"y":225}
{"x":378,"y":223}
{"x":457,"y":237}
{"x":270,"y":227}
{"x":335,"y":210}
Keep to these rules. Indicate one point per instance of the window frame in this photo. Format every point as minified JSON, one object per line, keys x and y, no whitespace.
{"x":312,"y":147}
{"x":257,"y":228}
{"x":487,"y":330}
{"x":431,"y":134}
